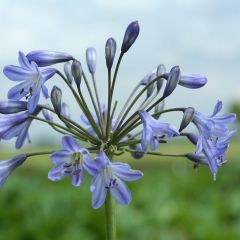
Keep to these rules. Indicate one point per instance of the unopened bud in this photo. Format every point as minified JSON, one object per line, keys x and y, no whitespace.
{"x":130,"y":36}
{"x":47,"y":114}
{"x":56,"y":98}
{"x":76,"y":70}
{"x":68,"y":71}
{"x":110,"y":50}
{"x":160,"y":71}
{"x":65,"y":111}
{"x":158,"y":108}
{"x":192,"y":80}
{"x":187,"y":118}
{"x":91,"y":58}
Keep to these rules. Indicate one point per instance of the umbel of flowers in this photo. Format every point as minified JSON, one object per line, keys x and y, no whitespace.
{"x":137,"y":129}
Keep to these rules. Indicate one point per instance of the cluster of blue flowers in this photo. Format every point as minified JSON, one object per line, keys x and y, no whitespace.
{"x":104,"y":133}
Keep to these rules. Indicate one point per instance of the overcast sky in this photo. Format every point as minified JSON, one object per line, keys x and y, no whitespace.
{"x":199,"y":36}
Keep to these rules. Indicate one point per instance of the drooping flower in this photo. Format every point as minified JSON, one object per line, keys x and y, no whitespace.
{"x":153,"y":130}
{"x":214,"y":136}
{"x":71,"y":161}
{"x":45,"y":58}
{"x":7,"y":166}
{"x":16,"y":124}
{"x":32,"y":81}
{"x":110,"y":177}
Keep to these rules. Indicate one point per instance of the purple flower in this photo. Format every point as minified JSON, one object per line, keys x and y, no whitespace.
{"x":130,"y":36}
{"x":214,"y":136}
{"x":65,"y":111}
{"x":7,"y":166}
{"x":47,"y":114}
{"x":153,"y":130}
{"x":109,"y":178}
{"x":12,"y":106}
{"x":192,"y":80}
{"x":16,"y":125}
{"x":91,"y":58}
{"x":45,"y":58}
{"x":71,"y":161}
{"x":32,"y":81}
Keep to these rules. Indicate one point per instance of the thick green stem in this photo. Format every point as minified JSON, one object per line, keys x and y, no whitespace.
{"x":110,"y":212}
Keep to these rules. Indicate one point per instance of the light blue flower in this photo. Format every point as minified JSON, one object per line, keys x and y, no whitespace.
{"x":7,"y":166}
{"x":71,"y":161}
{"x":16,"y":123}
{"x":153,"y":130}
{"x":109,"y":178}
{"x":32,"y":81}
{"x":213,"y":136}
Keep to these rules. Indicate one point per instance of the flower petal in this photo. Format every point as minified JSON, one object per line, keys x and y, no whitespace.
{"x":70,"y":144}
{"x":56,"y":173}
{"x":59,"y":157}
{"x":77,"y":179}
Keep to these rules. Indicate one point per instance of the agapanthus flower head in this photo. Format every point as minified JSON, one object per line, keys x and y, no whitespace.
{"x":110,"y":51}
{"x":109,"y":178}
{"x":130,"y":36}
{"x":91,"y":57}
{"x":16,"y":125}
{"x":71,"y":161}
{"x":7,"y":166}
{"x":32,"y":81}
{"x":45,"y":58}
{"x":213,"y":136}
{"x":154,"y":130}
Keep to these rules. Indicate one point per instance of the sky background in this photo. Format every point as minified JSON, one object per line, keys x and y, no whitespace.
{"x":199,"y":36}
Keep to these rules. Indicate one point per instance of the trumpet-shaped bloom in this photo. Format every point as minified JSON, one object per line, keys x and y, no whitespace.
{"x":32,"y":81}
{"x":110,"y":177}
{"x":71,"y":161}
{"x":214,"y":136}
{"x":16,"y":125}
{"x":153,"y":130}
{"x":7,"y":166}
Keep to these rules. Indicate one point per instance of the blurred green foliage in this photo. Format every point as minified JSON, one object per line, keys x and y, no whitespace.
{"x":173,"y":201}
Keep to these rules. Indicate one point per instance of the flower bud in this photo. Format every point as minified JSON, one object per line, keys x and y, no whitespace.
{"x":187,"y":118}
{"x":68,"y":71}
{"x":130,"y":36}
{"x":151,"y":88}
{"x":12,"y":106}
{"x":47,"y":114}
{"x":192,"y":137}
{"x":197,"y":158}
{"x":91,"y":58}
{"x":158,"y":108}
{"x":145,"y":80}
{"x":172,"y":81}
{"x":160,"y":71}
{"x":76,"y":70}
{"x":65,"y":111}
{"x":192,"y":80}
{"x":45,"y":58}
{"x":56,"y":98}
{"x":110,"y":50}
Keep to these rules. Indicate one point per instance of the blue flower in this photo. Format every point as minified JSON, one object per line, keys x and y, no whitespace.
{"x":71,"y":161}
{"x":7,"y":166}
{"x":16,"y":124}
{"x":12,"y":106}
{"x":32,"y":81}
{"x":45,"y":58}
{"x":108,"y":178}
{"x":214,"y":136}
{"x":153,"y":130}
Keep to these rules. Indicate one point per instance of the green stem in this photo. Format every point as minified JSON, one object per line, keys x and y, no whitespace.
{"x":110,"y":211}
{"x":110,"y":214}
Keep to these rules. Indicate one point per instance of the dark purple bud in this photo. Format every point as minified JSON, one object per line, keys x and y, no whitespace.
{"x":172,"y":81}
{"x":68,"y":71}
{"x":12,"y":106}
{"x":56,"y":98}
{"x":47,"y":114}
{"x":187,"y":118}
{"x":160,"y":71}
{"x":45,"y":58}
{"x":91,"y":58}
{"x":130,"y":36}
{"x":65,"y":111}
{"x":192,"y":80}
{"x":110,"y":50}
{"x":192,"y":137}
{"x":77,"y":72}
{"x":139,"y":152}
